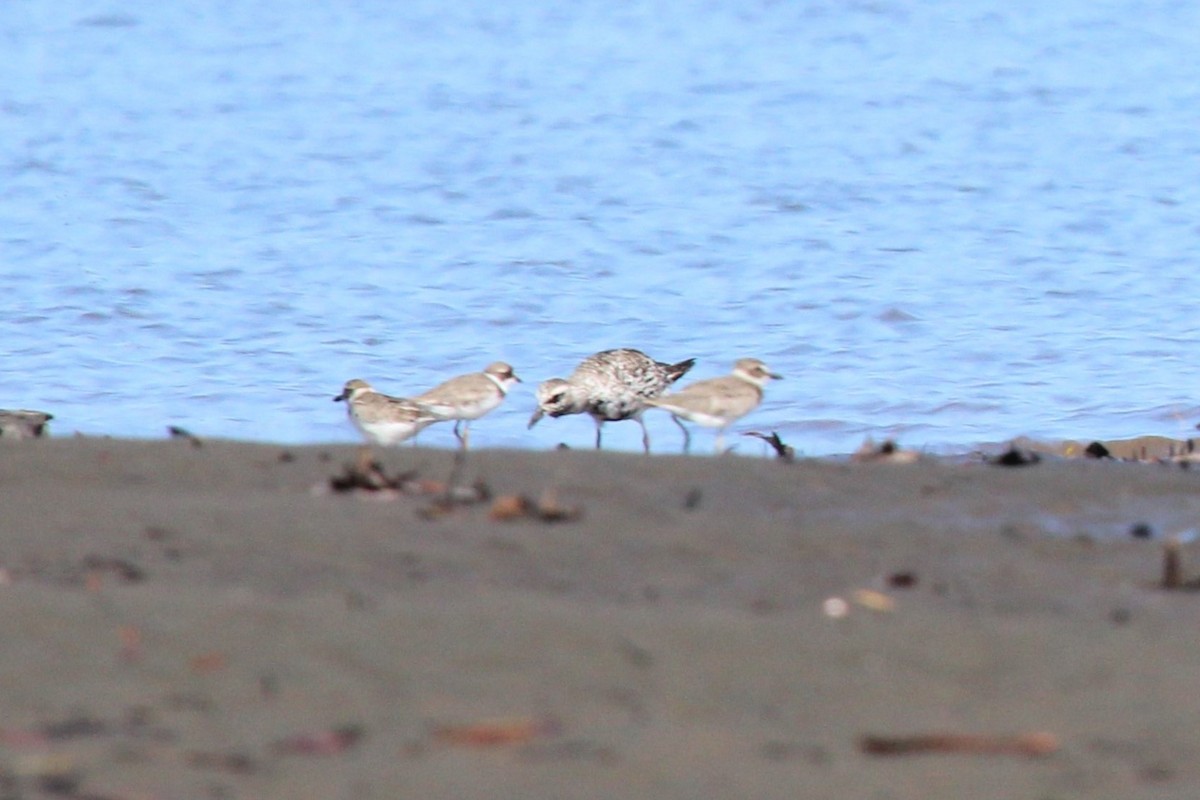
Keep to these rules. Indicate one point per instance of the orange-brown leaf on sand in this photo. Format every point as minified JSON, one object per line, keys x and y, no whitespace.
{"x":508,"y":507}
{"x":212,"y":661}
{"x":547,"y":508}
{"x":875,"y":601}
{"x":495,"y":732}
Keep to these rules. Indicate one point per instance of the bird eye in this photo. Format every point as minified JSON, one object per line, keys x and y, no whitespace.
{"x":557,"y":397}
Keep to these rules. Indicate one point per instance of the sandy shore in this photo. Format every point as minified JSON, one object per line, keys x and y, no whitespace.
{"x":214,"y":621}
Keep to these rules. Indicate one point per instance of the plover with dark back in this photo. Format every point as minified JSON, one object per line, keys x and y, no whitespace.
{"x":609,"y":386}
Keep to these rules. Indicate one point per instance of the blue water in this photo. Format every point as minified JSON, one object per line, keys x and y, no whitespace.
{"x":945,"y":223}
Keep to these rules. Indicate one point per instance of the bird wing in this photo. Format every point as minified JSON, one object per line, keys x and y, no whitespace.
{"x":716,"y":397}
{"x":443,"y":398}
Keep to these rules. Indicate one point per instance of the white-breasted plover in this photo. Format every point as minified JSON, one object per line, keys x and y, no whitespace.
{"x":381,"y":418}
{"x":717,"y":402}
{"x":469,"y":397}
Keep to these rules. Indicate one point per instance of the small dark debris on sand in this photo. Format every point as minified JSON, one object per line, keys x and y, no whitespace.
{"x":1032,"y":745}
{"x":137,"y":722}
{"x":784,"y":452}
{"x":1141,"y":530}
{"x":124,"y":570}
{"x":368,"y":475}
{"x":887,"y":452}
{"x":176,"y":432}
{"x":232,"y":763}
{"x":1172,"y":568}
{"x":368,"y":478}
{"x":1015,"y":457}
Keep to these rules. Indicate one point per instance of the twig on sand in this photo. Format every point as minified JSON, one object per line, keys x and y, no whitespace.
{"x":176,"y":432}
{"x":1172,"y":567}
{"x":1172,"y":574}
{"x":1035,"y":744}
{"x":784,"y":452}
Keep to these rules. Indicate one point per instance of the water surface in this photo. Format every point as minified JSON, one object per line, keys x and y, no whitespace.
{"x":948,"y":225}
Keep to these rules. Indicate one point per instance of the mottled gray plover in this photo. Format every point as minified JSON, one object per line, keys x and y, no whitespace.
{"x":609,"y":386}
{"x":381,"y":418}
{"x":469,"y":397}
{"x":717,"y":402}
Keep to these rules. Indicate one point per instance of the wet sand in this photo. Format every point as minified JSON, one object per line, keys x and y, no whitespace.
{"x":214,"y":621}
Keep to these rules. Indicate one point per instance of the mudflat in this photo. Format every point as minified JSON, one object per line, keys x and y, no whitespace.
{"x":216,"y":619}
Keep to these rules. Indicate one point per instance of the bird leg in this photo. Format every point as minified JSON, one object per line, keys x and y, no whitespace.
{"x":464,"y":438}
{"x":687,"y":436}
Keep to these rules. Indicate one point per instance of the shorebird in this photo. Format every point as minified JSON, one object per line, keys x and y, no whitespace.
{"x":19,"y":423}
{"x":718,"y":402}
{"x":609,"y":386}
{"x":381,"y":418}
{"x":468,"y":397}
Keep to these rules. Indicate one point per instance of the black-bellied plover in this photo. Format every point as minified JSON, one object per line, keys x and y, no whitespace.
{"x":717,"y":402}
{"x":609,"y":386}
{"x":469,"y":397}
{"x":381,"y":418}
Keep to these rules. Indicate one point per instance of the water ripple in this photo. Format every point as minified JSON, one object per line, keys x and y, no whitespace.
{"x":945,"y":242}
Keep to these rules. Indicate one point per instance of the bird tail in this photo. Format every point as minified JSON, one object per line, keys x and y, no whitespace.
{"x":677,"y":371}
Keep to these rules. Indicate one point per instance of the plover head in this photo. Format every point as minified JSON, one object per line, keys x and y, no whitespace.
{"x":557,"y":397}
{"x":754,"y":371}
{"x":502,"y":373}
{"x":353,"y":388}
